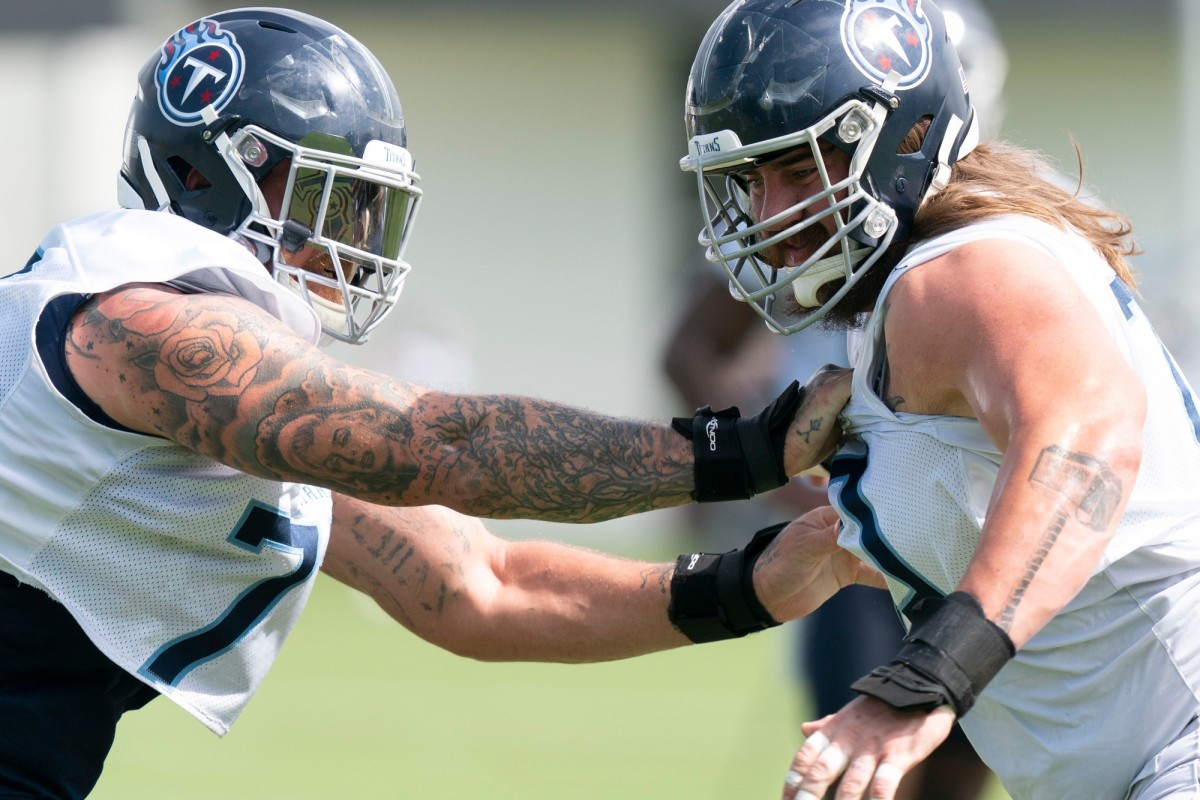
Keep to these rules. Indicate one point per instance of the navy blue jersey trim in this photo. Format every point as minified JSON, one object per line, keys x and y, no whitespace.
{"x":33,"y":259}
{"x":850,"y":496}
{"x":51,"y":345}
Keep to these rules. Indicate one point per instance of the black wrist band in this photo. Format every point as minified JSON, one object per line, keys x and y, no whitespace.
{"x":737,"y":458}
{"x":713,"y":597}
{"x":952,"y":652}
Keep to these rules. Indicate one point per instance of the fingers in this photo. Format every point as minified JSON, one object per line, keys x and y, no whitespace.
{"x":887,"y":780}
{"x":814,"y":769}
{"x":819,"y":765}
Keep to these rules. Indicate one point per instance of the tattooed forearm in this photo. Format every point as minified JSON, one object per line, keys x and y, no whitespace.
{"x":658,"y":576}
{"x":492,"y":456}
{"x":399,"y":576}
{"x":534,"y":458}
{"x":1089,"y":492}
{"x":219,"y":376}
{"x":1009,"y":611}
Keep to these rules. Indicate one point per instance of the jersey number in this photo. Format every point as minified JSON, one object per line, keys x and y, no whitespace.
{"x":261,"y":526}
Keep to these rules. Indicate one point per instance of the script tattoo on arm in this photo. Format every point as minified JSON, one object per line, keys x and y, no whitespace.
{"x":1090,"y":493}
{"x":416,"y":585}
{"x":219,"y":376}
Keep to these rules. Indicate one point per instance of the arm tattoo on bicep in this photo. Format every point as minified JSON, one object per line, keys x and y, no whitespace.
{"x":189,"y":360}
{"x":1090,"y":493}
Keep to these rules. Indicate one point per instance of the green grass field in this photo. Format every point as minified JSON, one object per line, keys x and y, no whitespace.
{"x":358,"y":708}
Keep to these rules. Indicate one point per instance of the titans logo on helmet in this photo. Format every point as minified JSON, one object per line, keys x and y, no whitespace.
{"x":200,"y":66}
{"x":883,"y":36}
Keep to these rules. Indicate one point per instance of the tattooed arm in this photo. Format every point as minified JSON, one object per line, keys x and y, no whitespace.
{"x":1034,"y":363}
{"x":446,"y":578}
{"x":220,"y":376}
{"x":997,"y":331}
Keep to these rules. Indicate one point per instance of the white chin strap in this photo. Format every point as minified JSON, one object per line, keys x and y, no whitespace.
{"x":830,"y":268}
{"x":941,"y":173}
{"x":332,"y":315}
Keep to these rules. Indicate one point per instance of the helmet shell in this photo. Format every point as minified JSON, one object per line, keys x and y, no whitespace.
{"x":287,"y":72}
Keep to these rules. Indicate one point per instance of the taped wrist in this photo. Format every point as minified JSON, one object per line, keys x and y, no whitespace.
{"x":952,"y":652}
{"x":713,"y":597}
{"x":737,"y":458}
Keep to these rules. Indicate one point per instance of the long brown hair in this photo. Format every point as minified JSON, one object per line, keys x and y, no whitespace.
{"x":999,"y":178}
{"x":995,"y":179}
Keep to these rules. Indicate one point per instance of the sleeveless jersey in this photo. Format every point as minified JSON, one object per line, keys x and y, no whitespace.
{"x":184,"y":572}
{"x":1116,"y":674}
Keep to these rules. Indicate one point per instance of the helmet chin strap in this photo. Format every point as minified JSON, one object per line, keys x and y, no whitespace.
{"x":128,"y":197}
{"x":965,"y":144}
{"x":239,"y":171}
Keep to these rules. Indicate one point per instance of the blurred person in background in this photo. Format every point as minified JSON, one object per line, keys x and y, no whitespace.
{"x":181,"y":457}
{"x":720,"y":350}
{"x":1020,"y":453}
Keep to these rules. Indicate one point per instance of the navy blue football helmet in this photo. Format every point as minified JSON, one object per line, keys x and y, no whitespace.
{"x":772,"y":76}
{"x":232,"y":96}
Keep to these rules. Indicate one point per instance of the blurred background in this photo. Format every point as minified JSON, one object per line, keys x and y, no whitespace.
{"x":554,"y":247}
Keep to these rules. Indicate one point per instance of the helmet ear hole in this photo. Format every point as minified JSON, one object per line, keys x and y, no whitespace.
{"x":194,"y":179}
{"x":912,"y":141}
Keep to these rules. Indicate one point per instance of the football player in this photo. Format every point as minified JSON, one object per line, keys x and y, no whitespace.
{"x":1021,"y":452}
{"x":181,"y":458}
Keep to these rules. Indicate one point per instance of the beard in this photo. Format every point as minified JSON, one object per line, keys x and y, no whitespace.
{"x":860,"y":299}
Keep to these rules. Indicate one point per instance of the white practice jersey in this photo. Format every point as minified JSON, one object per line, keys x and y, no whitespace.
{"x":1115,"y":675}
{"x":186,"y":573}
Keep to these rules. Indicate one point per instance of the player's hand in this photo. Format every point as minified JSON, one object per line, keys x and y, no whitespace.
{"x":869,"y":744}
{"x":804,"y":566}
{"x":814,"y":431}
